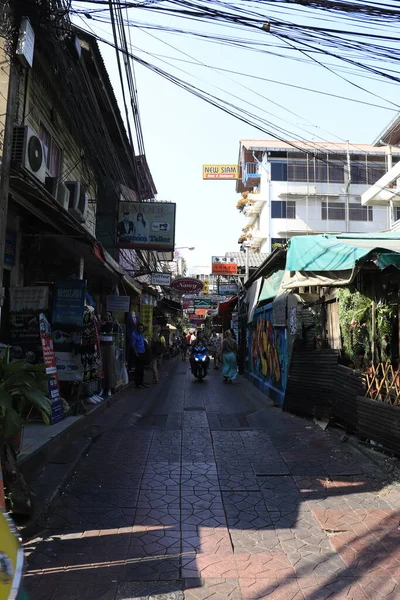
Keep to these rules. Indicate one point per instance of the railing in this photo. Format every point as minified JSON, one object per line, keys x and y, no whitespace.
{"x":251,"y":170}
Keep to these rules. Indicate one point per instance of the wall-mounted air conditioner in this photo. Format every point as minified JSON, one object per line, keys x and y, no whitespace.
{"x":29,"y":152}
{"x":78,"y":200}
{"x":58,"y":190}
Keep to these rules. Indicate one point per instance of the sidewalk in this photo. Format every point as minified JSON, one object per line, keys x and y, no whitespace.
{"x":211,"y":497}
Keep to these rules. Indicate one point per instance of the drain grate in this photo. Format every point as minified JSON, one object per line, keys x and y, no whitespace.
{"x":195,"y":409}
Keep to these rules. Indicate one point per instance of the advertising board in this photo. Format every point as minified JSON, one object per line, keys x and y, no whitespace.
{"x":221,"y":265}
{"x":146,"y":226}
{"x":187,"y":285}
{"x":220,"y":172}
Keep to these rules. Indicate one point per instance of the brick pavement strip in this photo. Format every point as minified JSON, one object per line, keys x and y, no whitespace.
{"x":175,"y":509}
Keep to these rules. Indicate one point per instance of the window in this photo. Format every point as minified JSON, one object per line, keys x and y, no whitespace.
{"x":333,"y":212}
{"x":54,"y":154}
{"x":279,"y":171}
{"x":337,"y":212}
{"x":283,"y":209}
{"x":278,"y":241}
{"x":360,"y":213}
{"x":366,"y":173}
{"x":397,"y":213}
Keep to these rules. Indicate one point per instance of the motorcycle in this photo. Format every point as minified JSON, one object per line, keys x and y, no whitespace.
{"x":200,"y":362}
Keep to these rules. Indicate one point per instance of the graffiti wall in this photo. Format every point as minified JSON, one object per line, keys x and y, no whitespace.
{"x":267,"y":363}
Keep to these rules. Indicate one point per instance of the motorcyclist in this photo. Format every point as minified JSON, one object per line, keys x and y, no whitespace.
{"x":199,"y":342}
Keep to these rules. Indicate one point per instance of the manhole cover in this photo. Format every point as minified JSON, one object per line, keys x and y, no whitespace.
{"x":150,"y":590}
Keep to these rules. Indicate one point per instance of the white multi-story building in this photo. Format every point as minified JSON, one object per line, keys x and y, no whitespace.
{"x":300,"y":188}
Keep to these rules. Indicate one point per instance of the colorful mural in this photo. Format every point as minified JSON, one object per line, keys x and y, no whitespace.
{"x":268,"y":354}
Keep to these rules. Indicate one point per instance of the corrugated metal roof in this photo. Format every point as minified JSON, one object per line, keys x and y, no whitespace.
{"x":256,"y":259}
{"x":354,"y":148}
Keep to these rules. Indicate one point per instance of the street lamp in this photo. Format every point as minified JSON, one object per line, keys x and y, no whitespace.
{"x":185,"y":248}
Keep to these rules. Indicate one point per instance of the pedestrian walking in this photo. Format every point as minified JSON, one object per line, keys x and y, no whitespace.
{"x":157,"y":351}
{"x":215,"y":345}
{"x":229,"y":357}
{"x":141,"y":356}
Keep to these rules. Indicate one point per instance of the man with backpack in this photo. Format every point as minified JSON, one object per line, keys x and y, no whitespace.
{"x":157,"y":351}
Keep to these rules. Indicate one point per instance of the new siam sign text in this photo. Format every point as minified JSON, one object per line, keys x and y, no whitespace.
{"x":220,"y":171}
{"x":187,"y":285}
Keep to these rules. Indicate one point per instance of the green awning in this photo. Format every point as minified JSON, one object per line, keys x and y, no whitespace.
{"x":271,"y":286}
{"x":322,"y":253}
{"x":391,"y":259}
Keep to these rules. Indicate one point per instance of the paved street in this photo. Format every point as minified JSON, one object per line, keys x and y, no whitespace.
{"x":212,"y":498}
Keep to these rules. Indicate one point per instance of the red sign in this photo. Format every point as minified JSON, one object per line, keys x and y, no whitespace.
{"x":187,"y":303}
{"x":187,"y":285}
{"x":49,"y":359}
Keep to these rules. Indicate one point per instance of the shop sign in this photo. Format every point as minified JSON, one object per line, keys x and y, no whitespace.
{"x":221,"y":265}
{"x":228,"y":289}
{"x":202,"y":303}
{"x":146,"y":226}
{"x":146,"y":319}
{"x":161,"y":279}
{"x":121,"y":304}
{"x":34,"y":299}
{"x":49,"y":359}
{"x":220,"y":171}
{"x":26,"y":304}
{"x":10,"y":249}
{"x":69,"y":302}
{"x":187,"y":303}
{"x":187,"y":285}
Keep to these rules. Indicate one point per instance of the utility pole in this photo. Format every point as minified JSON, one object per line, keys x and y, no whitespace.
{"x":6,"y":164}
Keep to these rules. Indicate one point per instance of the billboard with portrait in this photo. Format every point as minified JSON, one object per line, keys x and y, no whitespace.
{"x":146,"y":226}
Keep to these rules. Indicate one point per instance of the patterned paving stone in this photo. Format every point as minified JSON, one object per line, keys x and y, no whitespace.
{"x":207,"y":540}
{"x":274,"y":510}
{"x":209,"y":565}
{"x":212,"y":588}
{"x":255,"y":541}
{"x":261,"y":565}
{"x":324,"y":588}
{"x":270,"y":588}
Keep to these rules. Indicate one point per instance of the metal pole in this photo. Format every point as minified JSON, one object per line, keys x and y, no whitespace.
{"x":347,"y":209}
{"x":247,"y":263}
{"x":5,"y":167}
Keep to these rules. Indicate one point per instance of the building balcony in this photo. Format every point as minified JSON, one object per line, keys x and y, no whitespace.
{"x":251,"y":174}
{"x":386,"y":189}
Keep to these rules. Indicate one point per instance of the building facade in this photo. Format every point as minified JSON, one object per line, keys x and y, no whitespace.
{"x":299,"y":188}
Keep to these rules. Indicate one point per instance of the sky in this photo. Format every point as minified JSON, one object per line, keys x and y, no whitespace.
{"x":182,"y":132}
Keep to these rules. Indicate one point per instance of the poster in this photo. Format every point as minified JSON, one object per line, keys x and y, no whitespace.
{"x":68,"y":308}
{"x":26,"y":304}
{"x":49,"y":359}
{"x":68,"y":304}
{"x":146,"y":225}
{"x":146,"y":319}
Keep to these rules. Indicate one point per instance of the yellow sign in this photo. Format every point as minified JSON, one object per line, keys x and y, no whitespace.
{"x":206,"y":289}
{"x":220,"y":171}
{"x":146,"y":319}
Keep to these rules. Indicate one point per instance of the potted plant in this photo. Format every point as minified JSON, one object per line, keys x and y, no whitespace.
{"x":23,"y":388}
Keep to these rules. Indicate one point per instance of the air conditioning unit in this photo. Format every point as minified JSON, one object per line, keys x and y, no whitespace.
{"x":58,"y":190}
{"x":78,"y":200}
{"x":29,"y":152}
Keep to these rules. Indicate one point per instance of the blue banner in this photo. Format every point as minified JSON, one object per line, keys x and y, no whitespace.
{"x":68,"y":304}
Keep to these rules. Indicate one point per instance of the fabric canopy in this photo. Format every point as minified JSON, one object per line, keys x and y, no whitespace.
{"x":322,"y":253}
{"x":271,"y":286}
